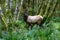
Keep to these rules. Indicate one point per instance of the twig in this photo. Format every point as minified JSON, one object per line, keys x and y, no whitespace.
{"x":20,"y":9}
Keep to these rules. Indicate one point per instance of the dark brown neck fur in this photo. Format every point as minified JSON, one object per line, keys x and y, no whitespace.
{"x":25,"y":17}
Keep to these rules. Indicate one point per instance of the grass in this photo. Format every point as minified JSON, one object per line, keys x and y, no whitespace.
{"x":50,"y":31}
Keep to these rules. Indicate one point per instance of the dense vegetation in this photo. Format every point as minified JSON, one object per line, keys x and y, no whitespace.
{"x":12,"y":26}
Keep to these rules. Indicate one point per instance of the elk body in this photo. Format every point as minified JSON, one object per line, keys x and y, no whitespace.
{"x":36,"y":19}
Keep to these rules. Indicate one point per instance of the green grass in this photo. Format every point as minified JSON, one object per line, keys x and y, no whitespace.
{"x":50,"y":31}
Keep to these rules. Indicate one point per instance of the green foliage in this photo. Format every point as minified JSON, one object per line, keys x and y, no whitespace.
{"x":16,"y":29}
{"x":46,"y":32}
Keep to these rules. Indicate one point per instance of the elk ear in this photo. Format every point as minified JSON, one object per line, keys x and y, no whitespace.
{"x":25,"y":14}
